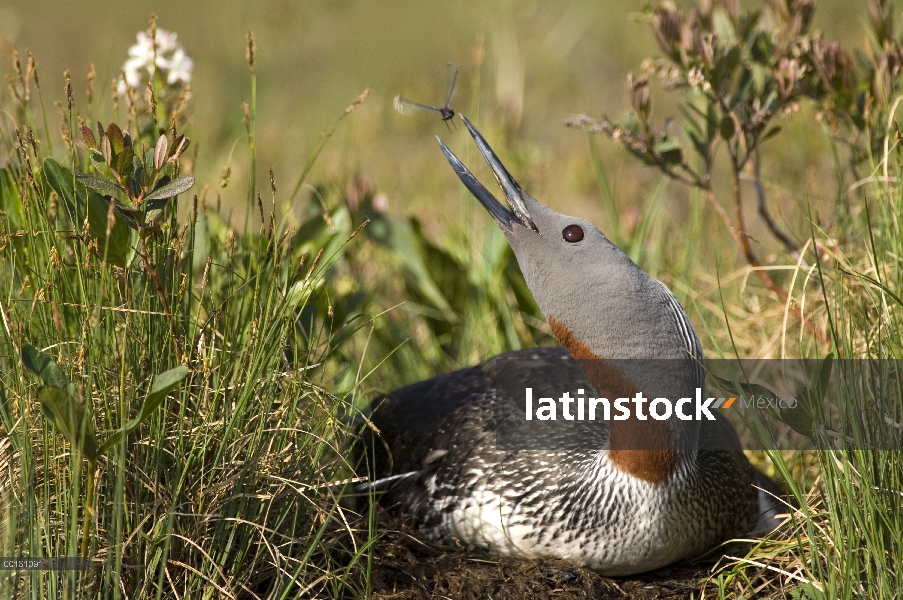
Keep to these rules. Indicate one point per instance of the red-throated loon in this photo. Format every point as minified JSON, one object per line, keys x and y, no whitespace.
{"x":620,"y":497}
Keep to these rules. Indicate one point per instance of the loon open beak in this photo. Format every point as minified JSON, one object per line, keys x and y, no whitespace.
{"x":513,"y":192}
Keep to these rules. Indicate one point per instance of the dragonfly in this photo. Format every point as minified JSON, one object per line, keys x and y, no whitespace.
{"x":408,"y":107}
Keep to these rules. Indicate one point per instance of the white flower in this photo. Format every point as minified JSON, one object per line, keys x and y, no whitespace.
{"x":179,"y":68}
{"x":131,"y":70}
{"x":166,"y":42}
{"x":171,"y":61}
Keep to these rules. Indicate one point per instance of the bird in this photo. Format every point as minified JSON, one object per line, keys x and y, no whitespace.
{"x":619,"y":497}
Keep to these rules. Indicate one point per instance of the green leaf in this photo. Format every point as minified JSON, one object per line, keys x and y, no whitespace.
{"x":807,"y":416}
{"x":88,"y":136}
{"x":711,"y":120}
{"x":724,"y":67}
{"x":801,"y":418}
{"x":60,"y":402}
{"x":173,"y":188}
{"x":449,"y":276}
{"x":131,"y":211}
{"x":46,"y":369}
{"x":124,"y":163}
{"x":136,"y":178}
{"x":723,"y":26}
{"x":811,"y":397}
{"x":747,"y":80}
{"x":770,"y":133}
{"x":106,"y":151}
{"x":696,"y":141}
{"x":160,"y":388}
{"x":741,"y":388}
{"x":99,"y":184}
{"x":114,"y":248}
{"x":630,"y":123}
{"x":824,"y":376}
{"x":11,"y":201}
{"x":145,"y":231}
{"x":117,"y":141}
{"x":179,"y":145}
{"x":97,"y":156}
{"x":153,"y":209}
{"x":62,"y":181}
{"x":746,"y":25}
{"x":176,"y":142}
{"x":68,"y":414}
{"x":161,"y":148}
{"x":670,"y":151}
{"x":404,"y":243}
{"x":117,"y":245}
{"x":726,"y":129}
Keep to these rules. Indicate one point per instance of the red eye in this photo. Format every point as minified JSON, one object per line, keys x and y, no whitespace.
{"x":572,"y":233}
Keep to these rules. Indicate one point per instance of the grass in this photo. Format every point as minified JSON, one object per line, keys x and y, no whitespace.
{"x":238,"y":484}
{"x":844,"y":538}
{"x":244,"y":464}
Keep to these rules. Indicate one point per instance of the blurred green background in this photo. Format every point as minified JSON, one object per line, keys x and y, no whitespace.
{"x":541,"y":62}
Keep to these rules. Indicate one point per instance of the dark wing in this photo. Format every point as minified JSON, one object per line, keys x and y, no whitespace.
{"x":419,"y":420}
{"x":411,"y":419}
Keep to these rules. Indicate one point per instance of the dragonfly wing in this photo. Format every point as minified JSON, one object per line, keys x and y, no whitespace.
{"x":452,"y":72}
{"x":409,"y":107}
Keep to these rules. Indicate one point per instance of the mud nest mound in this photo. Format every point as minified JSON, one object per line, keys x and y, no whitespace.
{"x":406,"y":568}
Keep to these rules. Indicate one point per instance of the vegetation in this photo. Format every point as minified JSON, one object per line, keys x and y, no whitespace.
{"x":180,"y":394}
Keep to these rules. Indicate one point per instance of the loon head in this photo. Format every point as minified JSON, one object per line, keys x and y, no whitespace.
{"x":625,"y":327}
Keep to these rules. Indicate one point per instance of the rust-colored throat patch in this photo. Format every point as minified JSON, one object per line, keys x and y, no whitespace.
{"x":642,"y":449}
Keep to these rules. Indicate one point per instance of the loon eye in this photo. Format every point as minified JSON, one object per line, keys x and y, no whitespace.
{"x":572,"y":233}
